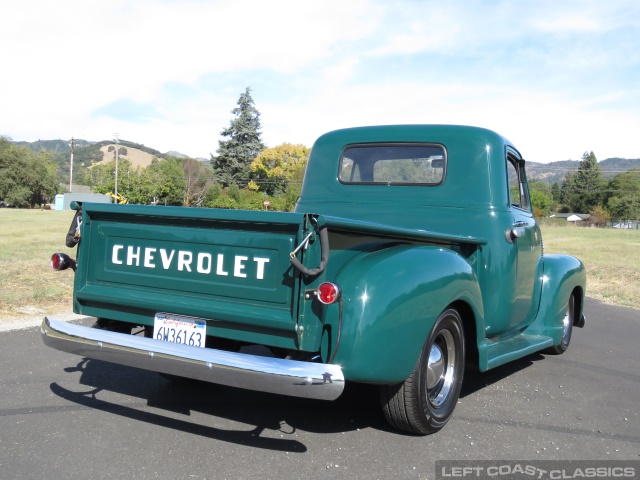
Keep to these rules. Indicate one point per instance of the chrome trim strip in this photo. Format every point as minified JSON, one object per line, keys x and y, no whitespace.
{"x":285,"y":377}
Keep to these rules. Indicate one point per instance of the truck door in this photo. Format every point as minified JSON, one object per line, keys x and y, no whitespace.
{"x":527,"y":242}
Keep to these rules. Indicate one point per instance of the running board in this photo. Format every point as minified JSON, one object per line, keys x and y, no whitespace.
{"x":495,"y":353}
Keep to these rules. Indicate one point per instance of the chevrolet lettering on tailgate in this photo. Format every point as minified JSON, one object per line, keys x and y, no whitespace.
{"x":205,"y":263}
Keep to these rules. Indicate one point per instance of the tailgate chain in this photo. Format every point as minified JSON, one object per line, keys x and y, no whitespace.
{"x":304,"y":244}
{"x":324,"y":254}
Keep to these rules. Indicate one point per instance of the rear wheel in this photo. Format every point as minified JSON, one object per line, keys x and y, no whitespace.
{"x":567,"y":324}
{"x":423,"y":403}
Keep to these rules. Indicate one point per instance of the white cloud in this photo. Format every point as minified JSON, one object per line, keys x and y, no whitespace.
{"x":555,"y":77}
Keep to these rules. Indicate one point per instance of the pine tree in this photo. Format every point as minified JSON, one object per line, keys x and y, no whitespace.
{"x":584,"y":190}
{"x":568,"y":192}
{"x":232,"y":165}
{"x":589,"y":184}
{"x":555,"y":192}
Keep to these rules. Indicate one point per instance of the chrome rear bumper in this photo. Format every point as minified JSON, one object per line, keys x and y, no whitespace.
{"x":286,"y":377}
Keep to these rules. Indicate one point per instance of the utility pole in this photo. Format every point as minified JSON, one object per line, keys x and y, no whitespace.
{"x":73,"y":142}
{"x":115,"y":200}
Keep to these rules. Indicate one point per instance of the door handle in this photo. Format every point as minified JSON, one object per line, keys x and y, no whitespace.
{"x":516,"y":231}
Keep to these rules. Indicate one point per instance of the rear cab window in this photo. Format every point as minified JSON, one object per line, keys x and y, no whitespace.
{"x":393,"y":164}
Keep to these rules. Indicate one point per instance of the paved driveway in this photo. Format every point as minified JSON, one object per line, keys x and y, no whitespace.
{"x":62,"y":417}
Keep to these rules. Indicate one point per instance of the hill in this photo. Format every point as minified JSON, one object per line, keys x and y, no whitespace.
{"x":89,"y":153}
{"x":137,"y":157}
{"x":55,"y":146}
{"x":556,"y":171}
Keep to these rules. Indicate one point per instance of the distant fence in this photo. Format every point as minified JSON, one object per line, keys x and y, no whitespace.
{"x":630,"y":225}
{"x":626,"y":225}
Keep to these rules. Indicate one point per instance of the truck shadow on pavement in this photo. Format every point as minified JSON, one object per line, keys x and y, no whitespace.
{"x":474,"y":380}
{"x":170,"y":403}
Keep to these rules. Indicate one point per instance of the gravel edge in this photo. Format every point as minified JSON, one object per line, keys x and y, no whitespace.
{"x":9,"y":324}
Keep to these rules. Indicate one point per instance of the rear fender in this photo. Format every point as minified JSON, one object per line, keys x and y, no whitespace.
{"x":391,"y":300}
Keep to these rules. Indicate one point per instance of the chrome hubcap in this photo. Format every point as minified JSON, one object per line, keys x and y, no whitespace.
{"x":567,"y":323}
{"x":441,"y":368}
{"x":435,"y":368}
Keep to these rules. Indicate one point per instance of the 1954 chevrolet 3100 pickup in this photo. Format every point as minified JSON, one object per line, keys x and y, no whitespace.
{"x":412,"y":253}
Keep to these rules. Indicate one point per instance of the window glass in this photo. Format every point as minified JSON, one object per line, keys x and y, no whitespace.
{"x":517,"y":184}
{"x":406,"y":164}
{"x":514,"y":183}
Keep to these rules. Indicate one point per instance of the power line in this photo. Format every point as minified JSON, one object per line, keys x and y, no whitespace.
{"x":115,"y":198}
{"x":71,"y":166}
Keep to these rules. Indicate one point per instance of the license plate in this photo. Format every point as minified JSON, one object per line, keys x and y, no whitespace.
{"x":179,"y":329}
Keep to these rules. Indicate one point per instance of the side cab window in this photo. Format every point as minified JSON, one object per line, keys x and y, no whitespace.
{"x":518,"y":190}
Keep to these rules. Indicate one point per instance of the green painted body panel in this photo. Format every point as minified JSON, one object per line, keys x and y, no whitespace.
{"x":389,"y":311}
{"x":563,"y":276}
{"x":232,"y":270}
{"x":401,"y":254}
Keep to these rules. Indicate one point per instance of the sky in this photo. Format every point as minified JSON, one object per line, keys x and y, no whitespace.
{"x":557,"y":78}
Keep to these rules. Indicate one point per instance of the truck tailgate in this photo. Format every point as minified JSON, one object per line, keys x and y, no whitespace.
{"x":229,"y":267}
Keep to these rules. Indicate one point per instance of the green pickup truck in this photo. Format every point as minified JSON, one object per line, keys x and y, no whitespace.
{"x":412,"y":255}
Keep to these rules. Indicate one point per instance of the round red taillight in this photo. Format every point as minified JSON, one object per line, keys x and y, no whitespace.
{"x":329,"y":293}
{"x":59,"y":261}
{"x":56,"y":261}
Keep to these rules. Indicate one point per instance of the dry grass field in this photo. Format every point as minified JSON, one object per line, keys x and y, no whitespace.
{"x":611,"y":257}
{"x":138,"y":158}
{"x":29,"y":288}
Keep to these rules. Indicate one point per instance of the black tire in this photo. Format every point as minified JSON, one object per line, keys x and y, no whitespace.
{"x":423,"y":403}
{"x":569,"y":319}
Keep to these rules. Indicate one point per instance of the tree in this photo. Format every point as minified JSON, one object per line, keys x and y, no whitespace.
{"x":27,"y":179}
{"x":275,"y":167}
{"x":555,"y":192}
{"x":599,"y":217}
{"x":541,"y":203}
{"x":103,"y":176}
{"x":294,"y":189}
{"x":165,"y":179}
{"x":568,"y":192}
{"x":625,"y":207}
{"x":162,"y":182}
{"x":542,"y":199}
{"x":623,"y":200}
{"x":42,"y":178}
{"x":587,"y":189}
{"x":242,"y":146}
{"x":625,"y":183}
{"x":197,"y":182}
{"x":122,"y":151}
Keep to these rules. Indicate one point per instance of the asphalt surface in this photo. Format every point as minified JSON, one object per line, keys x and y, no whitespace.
{"x":63,"y":417}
